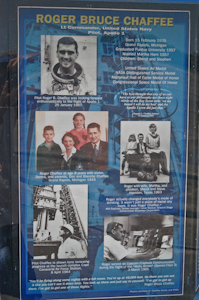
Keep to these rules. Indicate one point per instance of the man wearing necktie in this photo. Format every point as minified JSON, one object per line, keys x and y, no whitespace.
{"x":141,"y":146}
{"x":141,"y":149}
{"x":95,"y":153}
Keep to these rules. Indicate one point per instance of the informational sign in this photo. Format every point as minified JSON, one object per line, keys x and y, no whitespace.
{"x":197,"y":243}
{"x":103,"y":145}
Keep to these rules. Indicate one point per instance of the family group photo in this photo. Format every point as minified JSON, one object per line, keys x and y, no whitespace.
{"x":71,"y":140}
{"x":145,"y":151}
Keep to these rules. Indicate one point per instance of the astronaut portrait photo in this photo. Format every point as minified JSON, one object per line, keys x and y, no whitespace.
{"x":68,"y":65}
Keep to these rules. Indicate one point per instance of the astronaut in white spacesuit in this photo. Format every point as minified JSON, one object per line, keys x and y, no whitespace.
{"x":67,"y":77}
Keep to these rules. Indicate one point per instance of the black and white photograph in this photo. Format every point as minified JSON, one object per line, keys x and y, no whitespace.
{"x":71,"y":140}
{"x":60,"y":226}
{"x":68,"y":65}
{"x":138,"y":238}
{"x":145,"y":151}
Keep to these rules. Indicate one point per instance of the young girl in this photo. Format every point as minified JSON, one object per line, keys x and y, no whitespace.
{"x":153,"y":148}
{"x":79,"y":131}
{"x":130,"y":149}
{"x":131,"y":146}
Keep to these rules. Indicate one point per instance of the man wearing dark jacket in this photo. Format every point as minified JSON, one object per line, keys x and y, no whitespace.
{"x":95,"y":153}
{"x":141,"y":146}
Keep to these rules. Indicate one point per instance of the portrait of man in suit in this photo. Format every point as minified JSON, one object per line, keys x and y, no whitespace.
{"x":141,"y":146}
{"x":95,"y":153}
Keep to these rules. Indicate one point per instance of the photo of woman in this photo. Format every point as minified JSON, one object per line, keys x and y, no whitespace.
{"x":71,"y":157}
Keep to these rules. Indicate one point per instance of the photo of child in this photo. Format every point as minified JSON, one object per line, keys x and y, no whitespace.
{"x":147,"y":170}
{"x":130,"y":149}
{"x":48,"y":153}
{"x":153,"y":147}
{"x":79,"y":130}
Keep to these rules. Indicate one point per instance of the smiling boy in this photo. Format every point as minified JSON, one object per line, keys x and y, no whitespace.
{"x":49,"y":153}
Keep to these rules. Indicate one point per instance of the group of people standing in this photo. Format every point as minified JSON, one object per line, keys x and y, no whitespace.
{"x":84,"y":149}
{"x":145,"y":158}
